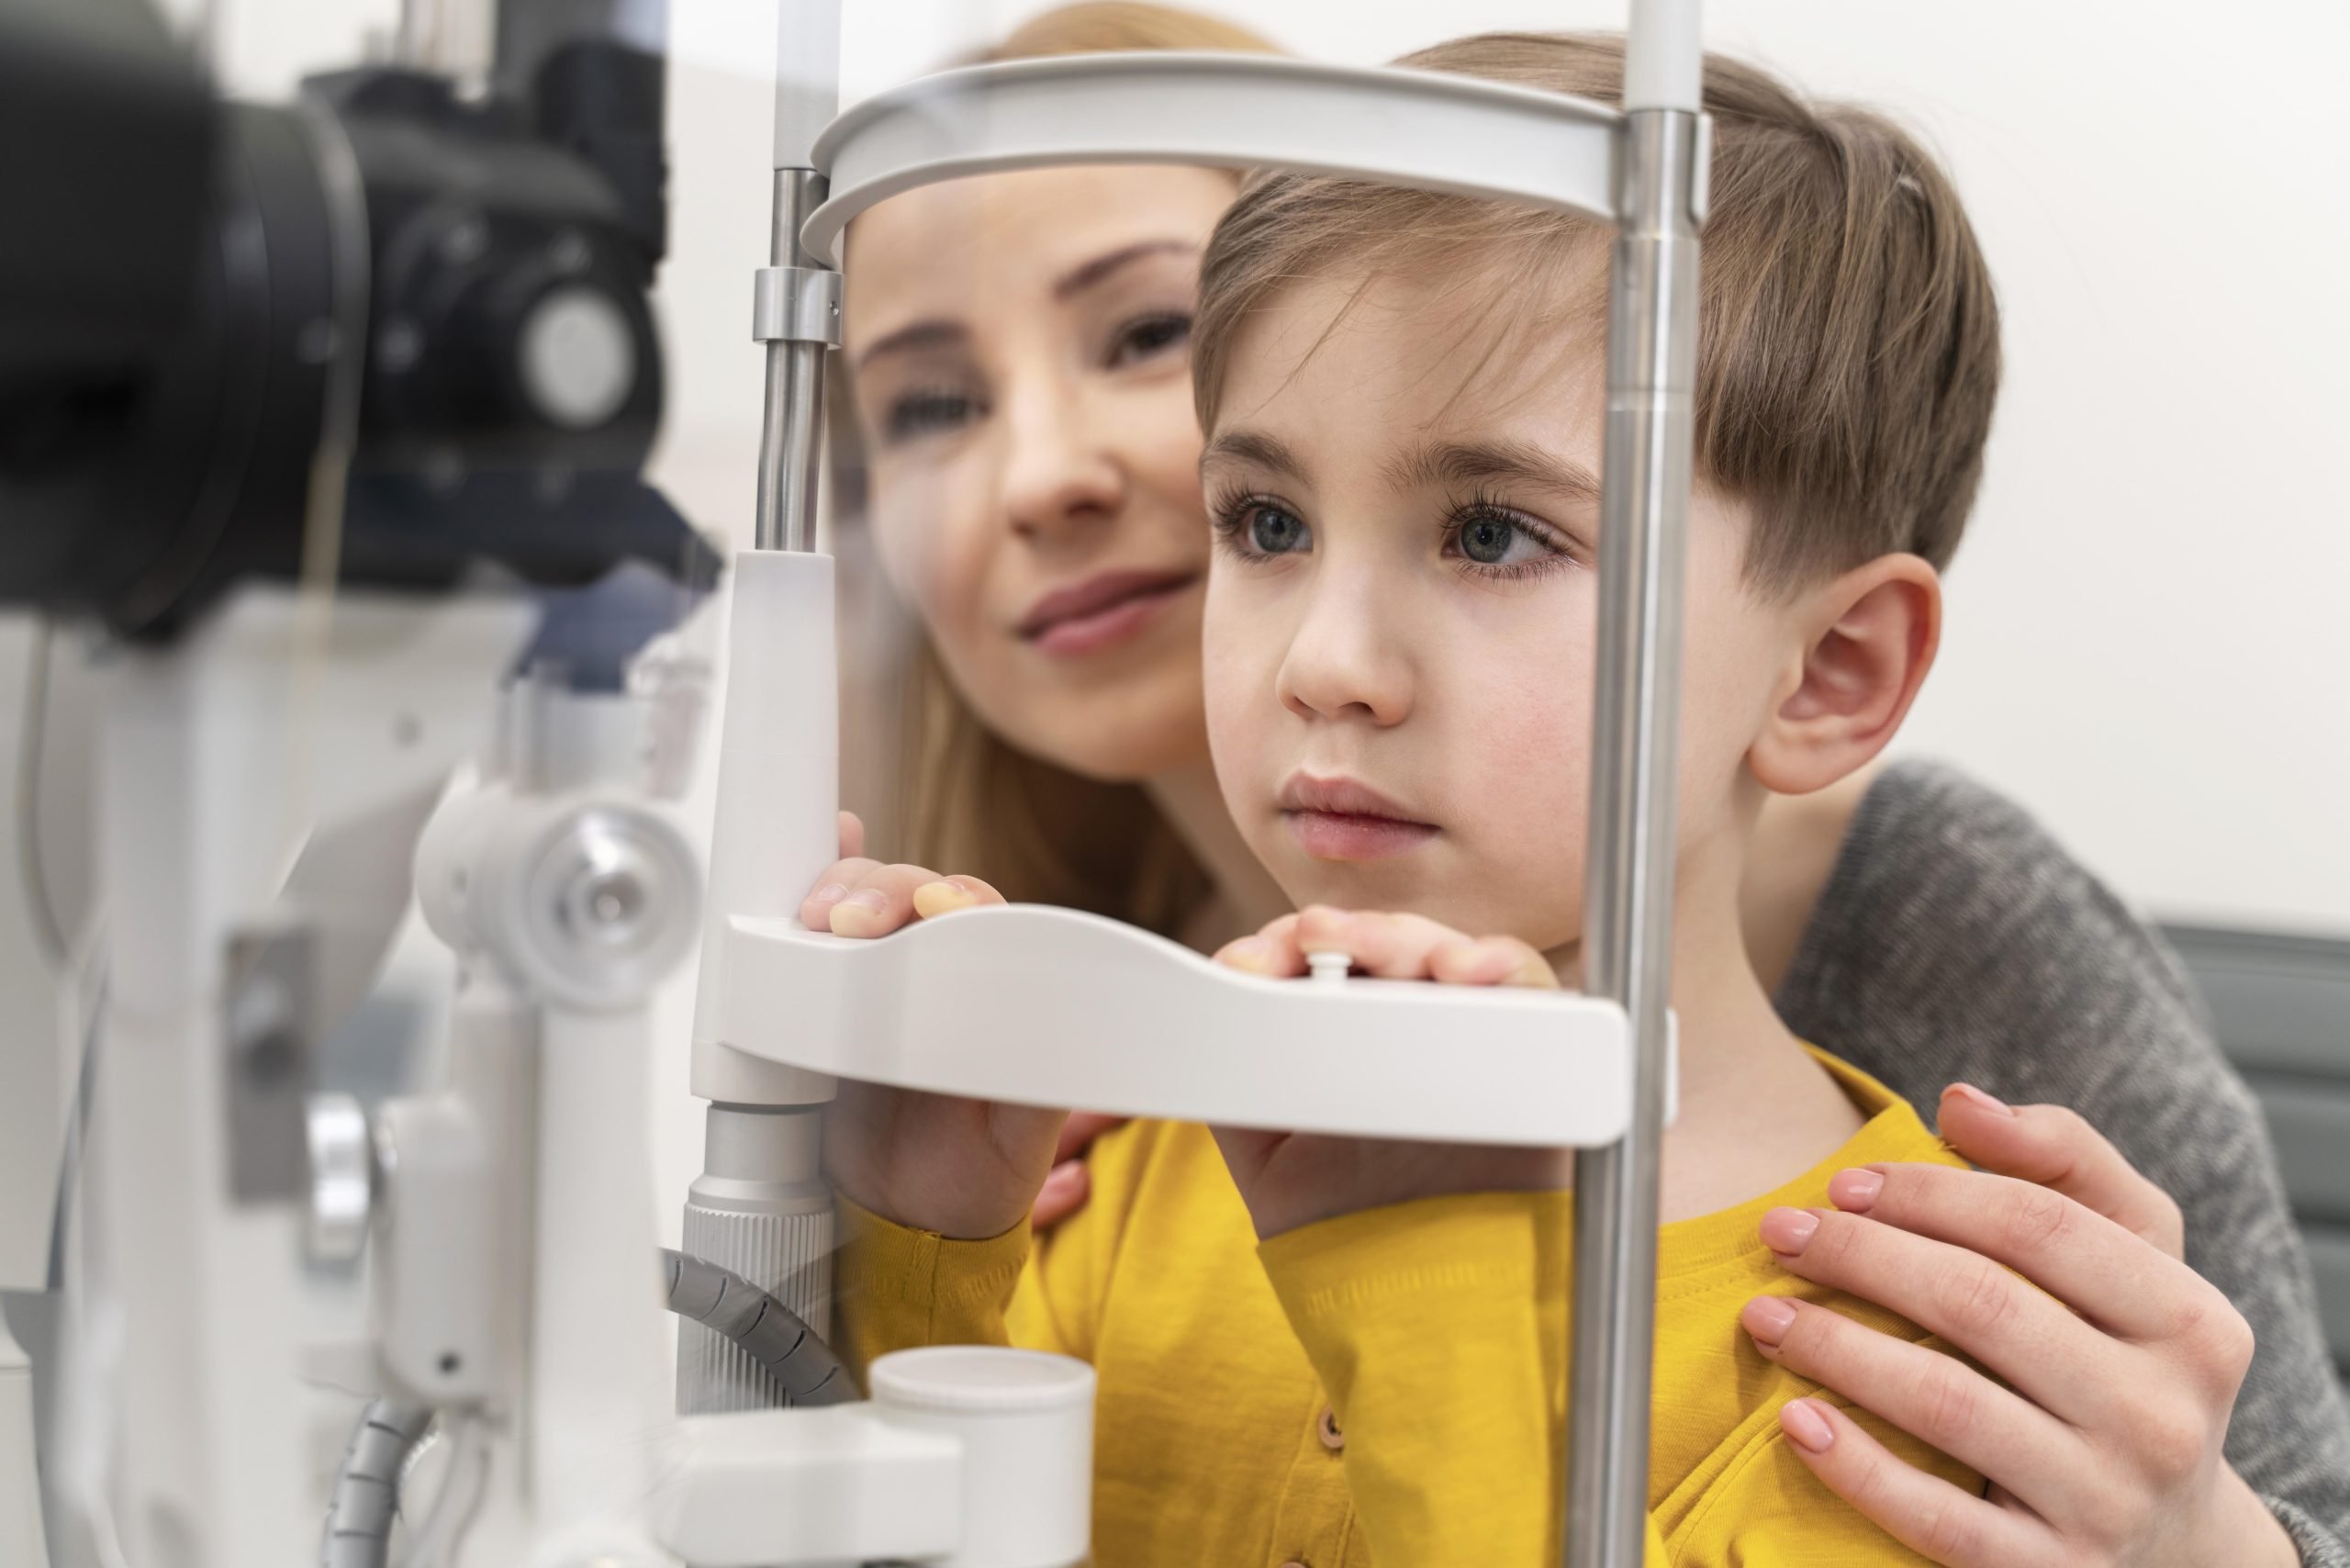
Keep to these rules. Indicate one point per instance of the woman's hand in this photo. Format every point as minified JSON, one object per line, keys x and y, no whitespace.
{"x":962,"y":1167}
{"x":1290,"y":1180}
{"x":2102,"y":1436}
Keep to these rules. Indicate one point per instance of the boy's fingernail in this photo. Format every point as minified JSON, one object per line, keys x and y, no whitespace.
{"x":1855,"y":1191}
{"x":1768,"y":1319}
{"x":1250,"y":953}
{"x":1529,"y":968}
{"x":1801,"y":1419}
{"x":940,"y":898}
{"x":860,"y":911}
{"x":1973,"y":1096}
{"x":1788,"y":1231}
{"x":831,"y":892}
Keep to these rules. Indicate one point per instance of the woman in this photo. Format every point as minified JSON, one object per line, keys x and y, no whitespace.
{"x":1023,"y":396}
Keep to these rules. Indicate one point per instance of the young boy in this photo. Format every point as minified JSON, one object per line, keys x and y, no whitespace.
{"x":1329,"y":1352}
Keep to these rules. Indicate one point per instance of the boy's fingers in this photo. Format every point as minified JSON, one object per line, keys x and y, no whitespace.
{"x":833,"y":885}
{"x":1389,"y":946}
{"x":2053,"y":1147}
{"x":1080,"y":1131}
{"x":879,"y":901}
{"x":1923,"y":1512}
{"x":1496,"y":960}
{"x":852,"y":836}
{"x":948,"y":894}
{"x":1273,"y":951}
{"x":1067,"y":1187}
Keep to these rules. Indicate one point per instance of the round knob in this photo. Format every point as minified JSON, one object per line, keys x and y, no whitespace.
{"x":577,"y":357}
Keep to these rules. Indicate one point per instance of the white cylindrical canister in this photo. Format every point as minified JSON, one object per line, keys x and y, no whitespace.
{"x":1025,"y":1421}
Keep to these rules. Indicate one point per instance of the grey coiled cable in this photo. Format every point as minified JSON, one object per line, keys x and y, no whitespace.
{"x":367,"y":1487}
{"x":770,"y":1333}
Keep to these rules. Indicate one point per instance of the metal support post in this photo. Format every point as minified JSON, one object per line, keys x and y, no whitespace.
{"x":796,"y":312}
{"x":1627,"y":899}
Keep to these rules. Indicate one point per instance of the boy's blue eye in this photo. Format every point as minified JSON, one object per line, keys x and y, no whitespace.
{"x":1491,"y":540}
{"x":1487,"y":540}
{"x":1274,"y":532}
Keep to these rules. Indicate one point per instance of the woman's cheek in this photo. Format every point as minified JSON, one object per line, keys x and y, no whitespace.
{"x":932,"y":557}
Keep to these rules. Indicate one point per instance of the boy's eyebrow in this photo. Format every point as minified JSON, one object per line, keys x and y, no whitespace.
{"x":1256,"y":447}
{"x":1471,"y":463}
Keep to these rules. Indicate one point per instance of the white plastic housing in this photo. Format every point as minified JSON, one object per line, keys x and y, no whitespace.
{"x":1233,"y":111}
{"x":778,"y":795}
{"x":838,"y":1484}
{"x":1049,"y":1006}
{"x":1025,"y":1423}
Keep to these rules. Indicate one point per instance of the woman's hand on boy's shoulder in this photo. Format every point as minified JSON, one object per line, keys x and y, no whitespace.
{"x":2102,"y":1433}
{"x":1291,"y":1180}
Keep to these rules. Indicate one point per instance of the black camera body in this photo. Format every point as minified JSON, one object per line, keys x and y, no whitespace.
{"x":421,"y":317}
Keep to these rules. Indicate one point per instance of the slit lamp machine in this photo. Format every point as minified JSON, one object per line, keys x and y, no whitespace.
{"x":418,"y":343}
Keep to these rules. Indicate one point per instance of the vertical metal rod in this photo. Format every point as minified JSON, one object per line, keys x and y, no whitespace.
{"x":791,"y":430}
{"x":1628,"y":895}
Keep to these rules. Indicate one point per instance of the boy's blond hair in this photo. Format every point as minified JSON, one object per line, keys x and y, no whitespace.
{"x":1848,"y":339}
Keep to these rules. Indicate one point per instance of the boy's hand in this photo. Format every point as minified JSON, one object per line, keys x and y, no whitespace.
{"x":1290,"y":1180}
{"x":969,"y":1169}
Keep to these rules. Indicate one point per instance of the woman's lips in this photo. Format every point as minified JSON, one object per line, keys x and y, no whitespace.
{"x":1100,"y":611}
{"x":1338,"y":819}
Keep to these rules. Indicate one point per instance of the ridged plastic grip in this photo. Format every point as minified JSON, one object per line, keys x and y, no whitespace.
{"x":761,"y":1209}
{"x":789,"y":1256}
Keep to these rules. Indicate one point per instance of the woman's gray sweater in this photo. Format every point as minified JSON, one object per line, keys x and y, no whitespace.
{"x":1957,"y":940}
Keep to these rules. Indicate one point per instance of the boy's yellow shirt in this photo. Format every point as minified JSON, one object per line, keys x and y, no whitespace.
{"x":1388,"y":1386}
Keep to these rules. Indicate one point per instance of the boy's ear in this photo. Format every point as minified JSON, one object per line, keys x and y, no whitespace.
{"x":1869,"y":637}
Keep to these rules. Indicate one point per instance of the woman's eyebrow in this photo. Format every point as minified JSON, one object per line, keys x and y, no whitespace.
{"x":913,"y":337}
{"x":1085,"y":275}
{"x":1471,"y":463}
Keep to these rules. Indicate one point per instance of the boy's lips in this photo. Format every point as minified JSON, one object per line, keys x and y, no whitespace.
{"x":1338,"y":819}
{"x":1103,"y":609}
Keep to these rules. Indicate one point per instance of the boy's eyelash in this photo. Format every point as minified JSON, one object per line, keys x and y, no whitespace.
{"x":1229,"y":520}
{"x":1483,"y":506}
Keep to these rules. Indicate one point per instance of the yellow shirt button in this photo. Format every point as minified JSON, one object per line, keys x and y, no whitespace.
{"x":1326,"y":1428}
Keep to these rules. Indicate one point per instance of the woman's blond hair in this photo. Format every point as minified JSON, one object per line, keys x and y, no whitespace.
{"x":972,"y":803}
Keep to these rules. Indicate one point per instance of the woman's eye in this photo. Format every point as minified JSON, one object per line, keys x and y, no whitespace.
{"x":1274,"y":532}
{"x":1148,"y":337}
{"x":921,"y":413}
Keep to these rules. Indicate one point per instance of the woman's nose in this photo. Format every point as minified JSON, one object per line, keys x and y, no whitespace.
{"x":1058,"y":475}
{"x":1346,"y":660}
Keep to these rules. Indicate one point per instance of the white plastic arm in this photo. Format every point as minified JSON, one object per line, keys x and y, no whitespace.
{"x":1050,"y":1006}
{"x":1407,"y":128}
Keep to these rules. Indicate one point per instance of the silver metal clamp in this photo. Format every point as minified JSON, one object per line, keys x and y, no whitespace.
{"x":796,"y":305}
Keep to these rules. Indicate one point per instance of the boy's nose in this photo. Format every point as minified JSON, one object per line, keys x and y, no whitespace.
{"x":1057,"y":476}
{"x":1346,"y":660}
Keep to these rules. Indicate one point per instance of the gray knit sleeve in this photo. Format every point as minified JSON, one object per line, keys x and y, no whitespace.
{"x":1956,"y":940}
